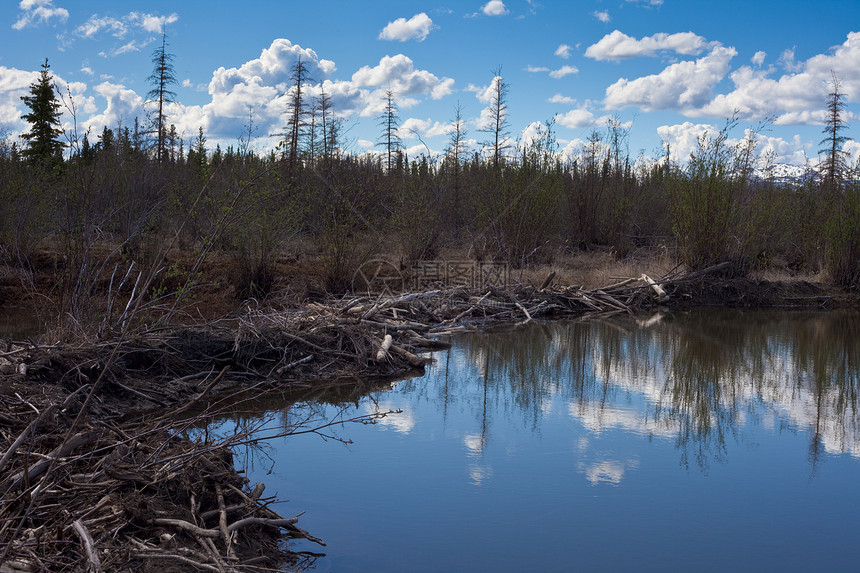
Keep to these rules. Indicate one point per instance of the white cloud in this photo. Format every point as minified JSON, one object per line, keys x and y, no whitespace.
{"x":786,"y":60}
{"x":271,"y":70}
{"x":122,"y":106}
{"x":564,"y":71}
{"x":797,"y":97}
{"x":400,"y":74}
{"x":580,"y":118}
{"x":793,"y":152}
{"x":121,"y":27}
{"x":563,"y":51}
{"x":415,"y":28}
{"x":485,"y":94}
{"x":683,"y":139}
{"x":619,"y":46}
{"x":602,"y":15}
{"x":13,"y":84}
{"x":37,"y":12}
{"x":758,"y":58}
{"x":651,"y":2}
{"x":558,"y":98}
{"x":132,"y":46}
{"x":152,"y":23}
{"x":685,"y":86}
{"x":852,"y":148}
{"x":94,"y":25}
{"x":494,"y":8}
{"x":423,"y":127}
{"x":536,"y":69}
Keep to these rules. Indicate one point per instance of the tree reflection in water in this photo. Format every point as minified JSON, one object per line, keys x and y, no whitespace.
{"x":701,"y":375}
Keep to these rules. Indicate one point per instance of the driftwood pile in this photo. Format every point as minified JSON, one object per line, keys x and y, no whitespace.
{"x":94,"y":475}
{"x":106,"y":495}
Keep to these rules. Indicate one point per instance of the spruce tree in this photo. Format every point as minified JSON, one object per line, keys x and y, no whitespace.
{"x":44,"y":119}
{"x":834,"y":165}
{"x":390,"y":122}
{"x":162,"y":78}
{"x":297,"y":113}
{"x":497,"y":116}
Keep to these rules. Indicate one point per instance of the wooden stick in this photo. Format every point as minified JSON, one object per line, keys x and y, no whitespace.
{"x":292,"y":365}
{"x":187,"y":526}
{"x":222,"y":521}
{"x":60,"y":451}
{"x":382,"y":353}
{"x":658,"y":290}
{"x":95,"y":565}
{"x":410,"y":358}
{"x":521,"y":307}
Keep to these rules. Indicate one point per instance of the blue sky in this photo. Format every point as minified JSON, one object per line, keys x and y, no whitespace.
{"x":667,"y":69}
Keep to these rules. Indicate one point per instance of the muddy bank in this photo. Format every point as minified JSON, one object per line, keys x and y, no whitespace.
{"x":102,"y":468}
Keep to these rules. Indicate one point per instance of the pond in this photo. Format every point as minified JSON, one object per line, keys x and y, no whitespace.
{"x":706,"y":441}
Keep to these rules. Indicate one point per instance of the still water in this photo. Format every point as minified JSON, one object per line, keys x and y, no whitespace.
{"x":701,"y":441}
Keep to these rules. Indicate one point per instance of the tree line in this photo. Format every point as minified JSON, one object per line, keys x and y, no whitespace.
{"x":136,"y":190}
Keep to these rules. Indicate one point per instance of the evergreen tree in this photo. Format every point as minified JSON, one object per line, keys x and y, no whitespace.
{"x":497,"y":124}
{"x":162,"y":78}
{"x":44,"y":119}
{"x":390,"y":121}
{"x":296,"y":124}
{"x":834,"y":165}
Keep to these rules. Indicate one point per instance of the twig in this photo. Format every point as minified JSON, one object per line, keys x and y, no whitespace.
{"x":95,"y":565}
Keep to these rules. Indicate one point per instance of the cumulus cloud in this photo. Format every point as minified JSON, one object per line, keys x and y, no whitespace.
{"x":262,"y":85}
{"x":580,"y":118}
{"x":564,"y":71}
{"x":602,"y":15}
{"x":485,"y":93}
{"x":35,"y":12}
{"x":619,"y":46}
{"x":494,"y":8}
{"x":536,"y":69}
{"x":558,"y":98}
{"x":563,"y":51}
{"x":423,"y":127}
{"x":758,"y":58}
{"x":121,"y":107}
{"x":415,"y":28}
{"x":683,"y":139}
{"x":684,"y":86}
{"x":13,"y":84}
{"x":852,"y":148}
{"x":797,"y":97}
{"x":152,"y":23}
{"x":399,"y":74}
{"x":793,"y":152}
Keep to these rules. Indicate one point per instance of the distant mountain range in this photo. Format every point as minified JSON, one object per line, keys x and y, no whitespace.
{"x":785,"y":172}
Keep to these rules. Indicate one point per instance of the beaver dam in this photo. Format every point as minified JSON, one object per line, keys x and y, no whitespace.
{"x":100,"y":466}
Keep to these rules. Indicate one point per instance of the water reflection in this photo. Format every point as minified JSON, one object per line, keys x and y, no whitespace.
{"x":573,"y":432}
{"x":696,"y":378}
